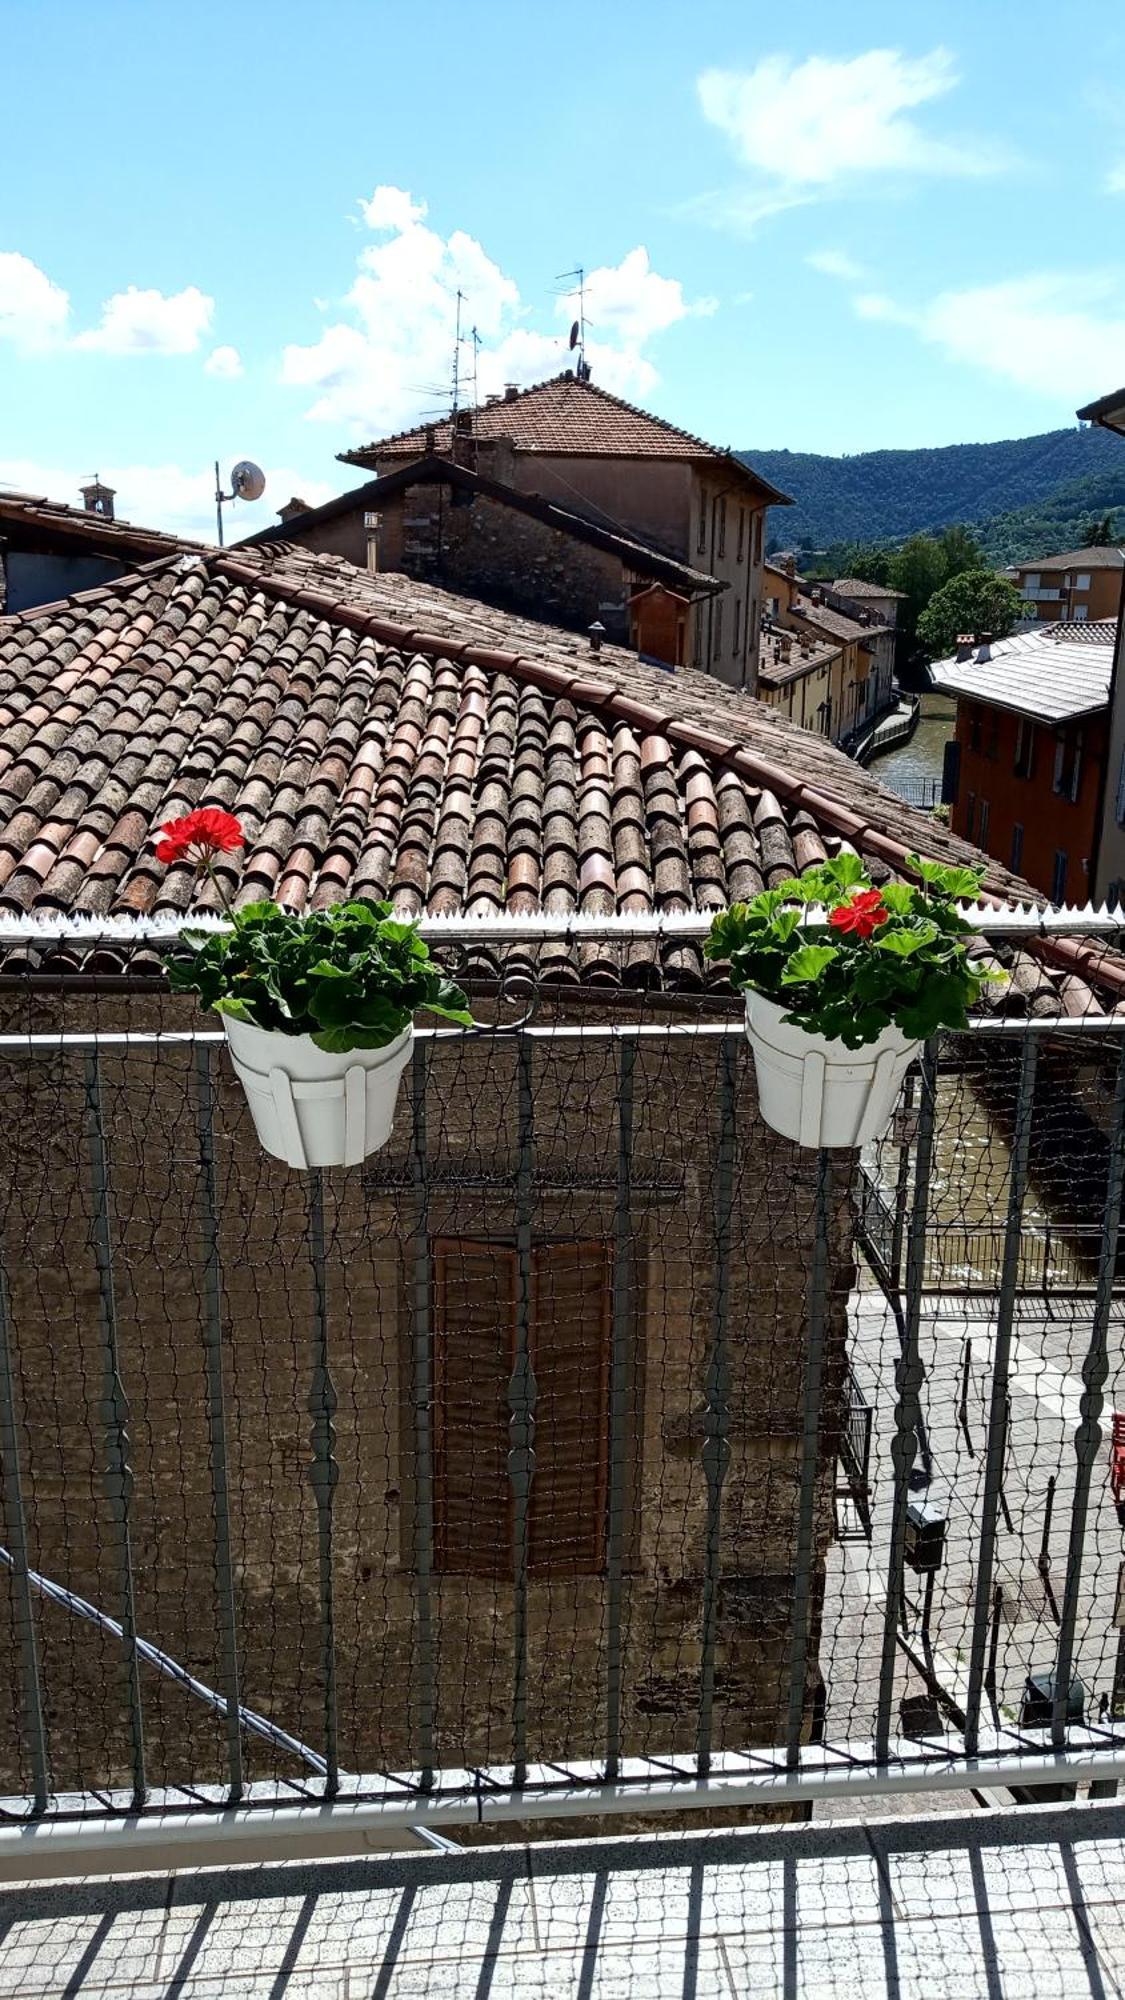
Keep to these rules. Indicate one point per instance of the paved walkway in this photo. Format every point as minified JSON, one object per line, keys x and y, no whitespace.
{"x":990,"y":1906}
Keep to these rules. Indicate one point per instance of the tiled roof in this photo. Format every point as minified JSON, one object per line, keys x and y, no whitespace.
{"x":836,"y":624}
{"x":1097,"y":558}
{"x":855,"y":586}
{"x":33,"y":513}
{"x":1052,"y":672}
{"x":380,"y":736}
{"x":563,"y":416}
{"x":434,"y":470}
{"x":785,"y":656}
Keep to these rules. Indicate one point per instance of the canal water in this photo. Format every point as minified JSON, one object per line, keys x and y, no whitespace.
{"x":910,"y":769}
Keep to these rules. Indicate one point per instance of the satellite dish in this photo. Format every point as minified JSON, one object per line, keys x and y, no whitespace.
{"x":247,"y":481}
{"x":574,"y":332}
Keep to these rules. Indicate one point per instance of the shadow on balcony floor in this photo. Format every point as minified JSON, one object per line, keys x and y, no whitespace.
{"x":953,"y":1908}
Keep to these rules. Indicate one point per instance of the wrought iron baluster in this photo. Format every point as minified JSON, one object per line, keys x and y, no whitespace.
{"x":996,"y":1447}
{"x":716,"y":1443}
{"x":908,"y":1409}
{"x":117,"y":1478}
{"x":422,"y":1330}
{"x":810,"y":1460}
{"x":15,"y":1536}
{"x":521,"y":1402}
{"x":1088,"y":1435}
{"x":324,"y":1473}
{"x":216,"y":1413}
{"x":618,"y":1404}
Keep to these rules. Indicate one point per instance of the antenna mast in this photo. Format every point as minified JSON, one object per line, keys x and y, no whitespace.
{"x":578,"y":330}
{"x":457,"y":354}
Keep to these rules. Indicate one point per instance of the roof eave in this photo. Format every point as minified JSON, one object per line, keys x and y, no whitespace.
{"x":1108,"y":411}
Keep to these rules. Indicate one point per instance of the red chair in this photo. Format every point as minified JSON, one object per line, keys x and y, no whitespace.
{"x":1117,"y":1460}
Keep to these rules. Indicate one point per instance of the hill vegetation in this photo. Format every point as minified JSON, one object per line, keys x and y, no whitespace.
{"x":1021,"y":497}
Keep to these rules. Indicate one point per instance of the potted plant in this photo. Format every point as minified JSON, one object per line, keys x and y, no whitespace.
{"x":843,"y":984}
{"x":318,"y":1008}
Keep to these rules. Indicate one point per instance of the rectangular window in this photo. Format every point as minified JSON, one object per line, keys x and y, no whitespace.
{"x":1025,"y":748}
{"x":701,"y":544}
{"x":741,"y":533}
{"x":982,"y":826}
{"x":1068,"y":763}
{"x":1031,"y":580}
{"x":717,"y":645}
{"x":1016,"y":862}
{"x":476,"y":1319}
{"x":758,"y":520}
{"x":721,"y":529}
{"x":737,"y":625}
{"x":1081,"y":613}
{"x":970,"y":815}
{"x":1082,"y":581}
{"x":1058,"y":880}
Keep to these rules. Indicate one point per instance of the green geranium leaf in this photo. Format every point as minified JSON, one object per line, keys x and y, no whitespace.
{"x":808,"y":963}
{"x":846,"y":870}
{"x":905,"y":943}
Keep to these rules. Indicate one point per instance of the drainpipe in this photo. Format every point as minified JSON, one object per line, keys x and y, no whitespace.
{"x":1104,"y":775}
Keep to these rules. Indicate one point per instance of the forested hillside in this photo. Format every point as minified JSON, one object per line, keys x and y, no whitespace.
{"x":1024,"y":496}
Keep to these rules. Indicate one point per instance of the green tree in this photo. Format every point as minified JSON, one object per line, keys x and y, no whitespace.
{"x":1099,"y":534}
{"x":976,"y":601}
{"x":960,"y":548}
{"x":917,"y":570}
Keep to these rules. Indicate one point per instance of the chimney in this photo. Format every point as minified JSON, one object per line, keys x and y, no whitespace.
{"x":292,"y":508}
{"x":964,"y":647}
{"x":429,"y":440}
{"x":511,"y":391}
{"x":785,"y":646}
{"x":98,"y":499}
{"x":984,"y":647}
{"x":597,"y":634}
{"x":790,"y":565}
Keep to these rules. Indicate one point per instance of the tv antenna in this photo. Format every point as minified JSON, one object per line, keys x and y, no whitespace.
{"x":577,"y":340}
{"x":457,"y":353}
{"x":247,"y":482}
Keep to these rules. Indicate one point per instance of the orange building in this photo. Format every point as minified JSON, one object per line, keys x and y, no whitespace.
{"x":1078,"y":587}
{"x":1025,"y":771}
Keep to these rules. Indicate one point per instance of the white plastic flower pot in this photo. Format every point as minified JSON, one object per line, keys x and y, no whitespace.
{"x":817,"y":1091}
{"x":313,"y":1109}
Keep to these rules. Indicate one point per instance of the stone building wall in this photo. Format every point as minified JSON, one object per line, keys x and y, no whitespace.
{"x":58,"y":1307}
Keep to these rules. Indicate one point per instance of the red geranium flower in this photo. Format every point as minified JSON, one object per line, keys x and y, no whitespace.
{"x":199,"y":836}
{"x":862,"y":916}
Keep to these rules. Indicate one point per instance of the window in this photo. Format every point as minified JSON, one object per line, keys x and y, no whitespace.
{"x":974,"y":729}
{"x":737,"y":624}
{"x":758,"y":519}
{"x":982,"y":823}
{"x":1016,"y":862}
{"x":1082,"y":582}
{"x":721,"y":529}
{"x":717,"y":643}
{"x":476,"y":1289}
{"x":970,"y":815}
{"x":1025,"y":748}
{"x":1031,"y":581}
{"x":1081,"y":613}
{"x":741,"y":533}
{"x":701,"y":544}
{"x":1068,"y":763}
{"x":1058,"y":880}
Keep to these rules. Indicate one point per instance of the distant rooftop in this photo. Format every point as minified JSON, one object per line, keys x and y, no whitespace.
{"x":1054,"y":673}
{"x":857,"y":586}
{"x":1095,"y":558}
{"x":563,"y":417}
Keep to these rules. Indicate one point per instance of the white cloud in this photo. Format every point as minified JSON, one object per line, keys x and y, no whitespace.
{"x":802,"y":128}
{"x":33,"y":309}
{"x":1057,"y":334}
{"x":175,"y":497}
{"x":835,"y":264}
{"x":151,"y":322}
{"x":391,"y":359}
{"x":226,"y":362}
{"x":1115,"y":179}
{"x":823,"y":118}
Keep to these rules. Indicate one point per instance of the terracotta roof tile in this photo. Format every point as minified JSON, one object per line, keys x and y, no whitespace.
{"x":451,"y":778}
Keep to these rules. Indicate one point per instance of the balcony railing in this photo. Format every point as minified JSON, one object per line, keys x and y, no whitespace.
{"x":501,"y":1479}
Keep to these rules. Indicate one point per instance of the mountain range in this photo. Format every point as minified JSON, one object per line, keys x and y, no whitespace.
{"x":1022,"y":496}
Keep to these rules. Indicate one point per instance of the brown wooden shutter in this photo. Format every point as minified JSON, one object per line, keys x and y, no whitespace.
{"x":474,"y":1336}
{"x":570,"y":1322}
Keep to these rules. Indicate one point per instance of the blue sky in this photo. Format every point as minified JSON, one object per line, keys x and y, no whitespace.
{"x":240,"y":230}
